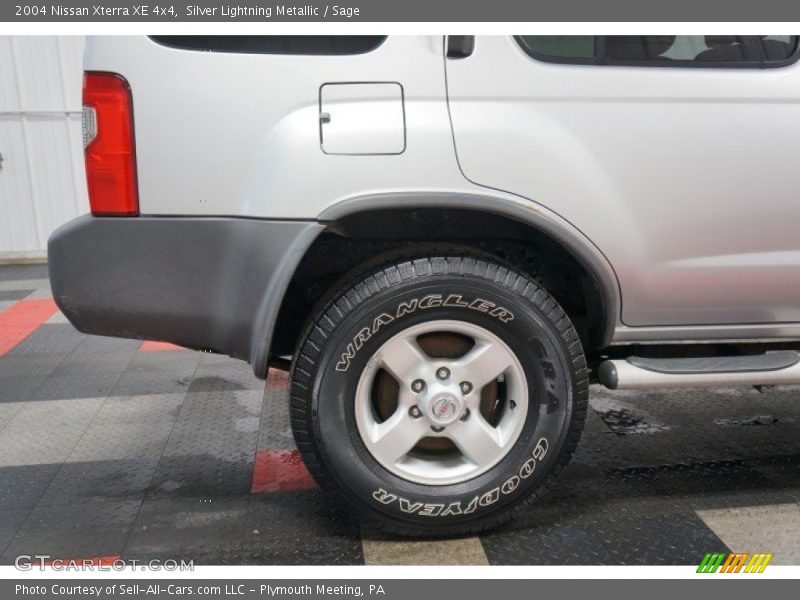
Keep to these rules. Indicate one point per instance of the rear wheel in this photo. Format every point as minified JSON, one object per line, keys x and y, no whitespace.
{"x":438,"y":396}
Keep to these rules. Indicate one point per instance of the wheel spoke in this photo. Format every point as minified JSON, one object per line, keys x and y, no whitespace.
{"x":395,"y":437}
{"x":484,"y":363}
{"x":435,"y":392}
{"x":402,"y":356}
{"x":477,"y":440}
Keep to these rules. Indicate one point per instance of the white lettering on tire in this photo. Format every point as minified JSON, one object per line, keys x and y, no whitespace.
{"x":484,"y":500}
{"x":411,"y":306}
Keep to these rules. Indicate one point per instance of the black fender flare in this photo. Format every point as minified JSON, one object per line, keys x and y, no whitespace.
{"x":530,"y":213}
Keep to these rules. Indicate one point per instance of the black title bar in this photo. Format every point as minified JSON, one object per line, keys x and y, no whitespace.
{"x":461,"y":11}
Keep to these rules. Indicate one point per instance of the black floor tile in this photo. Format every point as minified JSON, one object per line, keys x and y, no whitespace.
{"x":99,"y":344}
{"x":83,"y":385}
{"x":18,"y":389}
{"x":626,"y":534}
{"x":23,"y":486}
{"x":55,"y":338}
{"x":207,"y":530}
{"x":11,"y":295}
{"x":82,"y":482}
{"x":212,"y":446}
{"x":34,"y":367}
{"x":78,"y":363}
{"x":10,"y":522}
{"x":300,"y":528}
{"x":76,"y":530}
{"x":20,"y":272}
{"x":202,"y":475}
{"x":175,"y":433}
{"x":225,"y":376}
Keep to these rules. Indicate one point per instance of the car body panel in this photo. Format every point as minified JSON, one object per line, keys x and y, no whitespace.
{"x":683,"y":178}
{"x":235,"y":183}
{"x":238,"y":134}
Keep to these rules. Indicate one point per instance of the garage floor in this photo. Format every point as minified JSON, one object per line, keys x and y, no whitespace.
{"x":141,"y":450}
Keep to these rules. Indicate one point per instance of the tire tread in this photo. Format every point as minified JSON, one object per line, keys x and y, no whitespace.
{"x":350,"y":294}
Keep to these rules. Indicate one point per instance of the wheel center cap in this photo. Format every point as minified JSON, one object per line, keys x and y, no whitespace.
{"x":443,"y":408}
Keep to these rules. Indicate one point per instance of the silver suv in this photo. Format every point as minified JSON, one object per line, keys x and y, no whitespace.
{"x":445,"y":239}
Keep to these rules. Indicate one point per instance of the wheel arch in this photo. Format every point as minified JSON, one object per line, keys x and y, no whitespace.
{"x":529,"y":216}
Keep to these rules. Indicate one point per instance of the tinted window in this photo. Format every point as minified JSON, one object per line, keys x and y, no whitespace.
{"x":664,"y":50}
{"x":274,"y":44}
{"x":561,"y":46}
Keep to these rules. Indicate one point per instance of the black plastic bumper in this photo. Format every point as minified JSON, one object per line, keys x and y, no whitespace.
{"x":203,"y":283}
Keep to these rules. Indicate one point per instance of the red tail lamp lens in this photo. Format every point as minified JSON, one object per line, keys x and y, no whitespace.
{"x":109,"y":145}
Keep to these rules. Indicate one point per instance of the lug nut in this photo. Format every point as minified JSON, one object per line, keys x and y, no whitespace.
{"x":418,"y":385}
{"x":512,"y":405}
{"x":415,"y":412}
{"x":465,"y":416}
{"x":437,"y":429}
{"x":443,"y":372}
{"x":466,"y":387}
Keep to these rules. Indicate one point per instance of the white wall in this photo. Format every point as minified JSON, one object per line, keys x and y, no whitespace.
{"x":41,"y":176}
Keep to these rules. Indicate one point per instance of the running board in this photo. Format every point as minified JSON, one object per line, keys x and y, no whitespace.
{"x":635,"y":373}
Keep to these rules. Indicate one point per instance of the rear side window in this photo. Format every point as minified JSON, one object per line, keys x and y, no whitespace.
{"x":664,"y":50}
{"x":332,"y":45}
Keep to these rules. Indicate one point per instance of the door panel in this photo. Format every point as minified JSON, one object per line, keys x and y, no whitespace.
{"x":685,"y":178}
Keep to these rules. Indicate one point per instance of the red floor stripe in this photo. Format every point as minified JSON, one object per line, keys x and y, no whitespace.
{"x":151,"y":346}
{"x":95,"y":561}
{"x":21,"y":319}
{"x":277,"y":379}
{"x":280,"y":471}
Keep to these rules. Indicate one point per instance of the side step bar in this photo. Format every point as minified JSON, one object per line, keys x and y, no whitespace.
{"x":635,"y":373}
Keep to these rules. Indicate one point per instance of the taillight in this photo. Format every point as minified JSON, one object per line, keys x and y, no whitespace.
{"x":109,"y":145}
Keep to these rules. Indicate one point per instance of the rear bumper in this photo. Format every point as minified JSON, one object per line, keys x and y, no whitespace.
{"x":203,"y":283}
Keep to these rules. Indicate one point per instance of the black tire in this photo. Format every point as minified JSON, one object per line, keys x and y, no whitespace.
{"x":322,"y":398}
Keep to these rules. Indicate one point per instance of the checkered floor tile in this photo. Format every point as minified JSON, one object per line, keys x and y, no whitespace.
{"x":144,"y":450}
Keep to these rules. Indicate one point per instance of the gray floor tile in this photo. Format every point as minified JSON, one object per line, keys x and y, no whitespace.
{"x":57,"y":319}
{"x":768,"y":529}
{"x":45,"y":432}
{"x":383,"y":549}
{"x":129,"y":427}
{"x":43,"y":291}
{"x":8,"y":410}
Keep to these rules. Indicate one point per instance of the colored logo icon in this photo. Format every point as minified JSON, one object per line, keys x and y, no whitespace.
{"x":739,"y":562}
